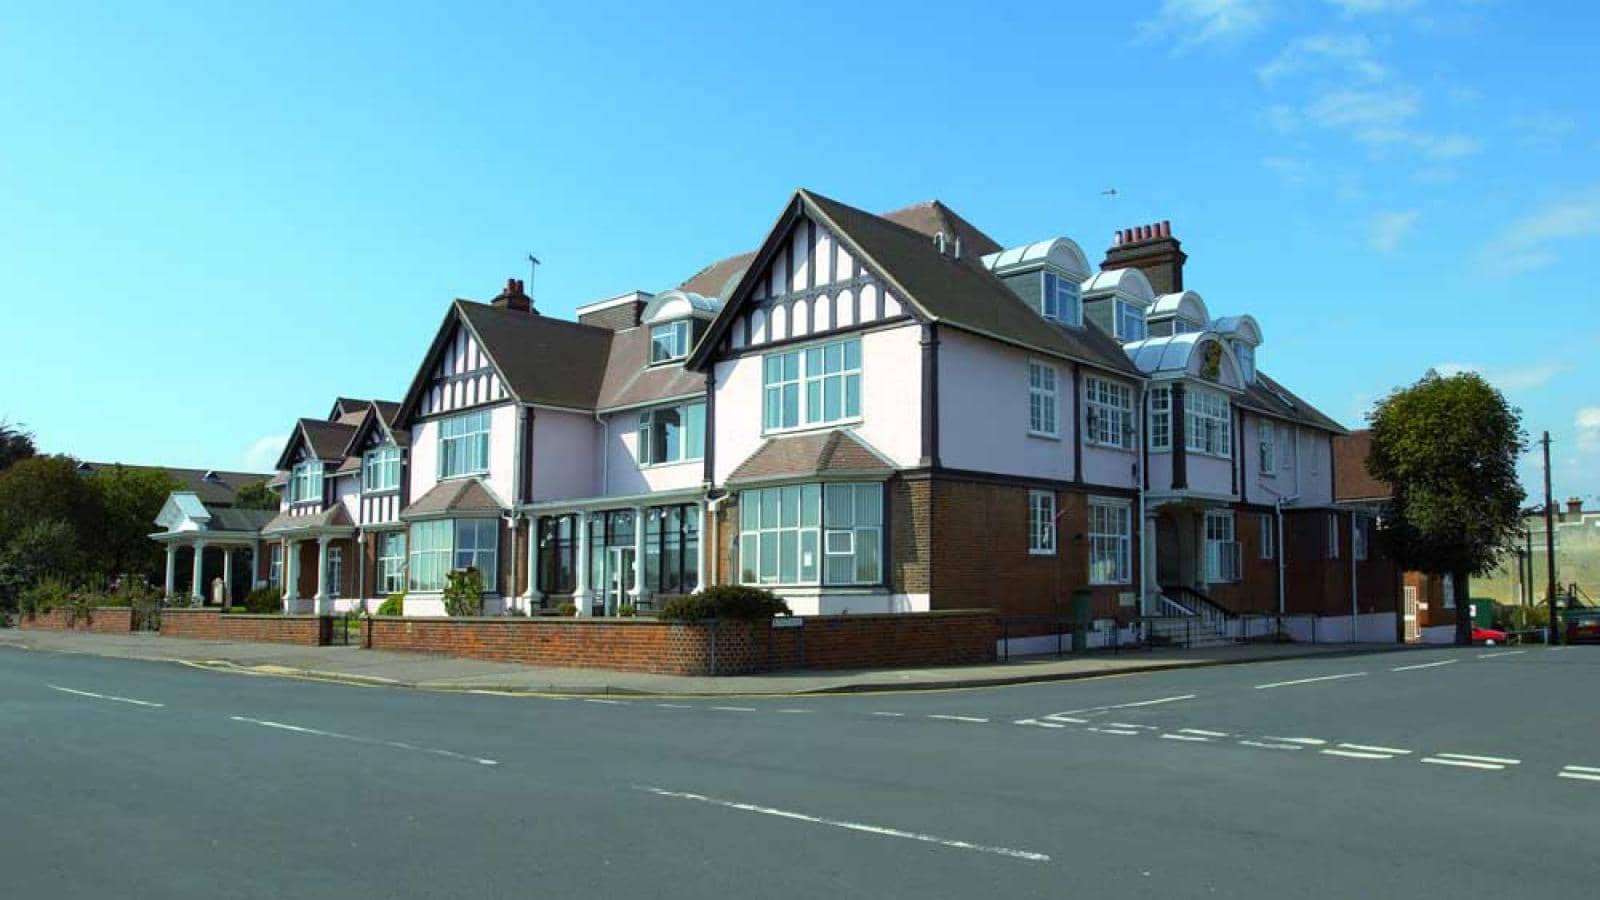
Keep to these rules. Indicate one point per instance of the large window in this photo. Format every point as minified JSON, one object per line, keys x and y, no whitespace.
{"x":1109,"y":414}
{"x":1041,"y":523}
{"x":391,"y":562}
{"x":672,"y":549}
{"x":1110,"y":542}
{"x":1042,"y":400}
{"x":1161,"y":418}
{"x":1222,"y":551}
{"x":335,"y":573}
{"x":464,"y":445}
{"x":1060,"y":300}
{"x":672,"y":434}
{"x":669,"y":342}
{"x":558,"y":554}
{"x":784,"y":533}
{"x":438,"y":547}
{"x":1130,"y":321}
{"x":812,"y":386}
{"x":380,"y":469}
{"x":305,"y":482}
{"x":1210,"y":424}
{"x":275,"y":567}
{"x":1267,"y":437}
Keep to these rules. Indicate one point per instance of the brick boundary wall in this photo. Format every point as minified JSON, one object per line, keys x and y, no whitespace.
{"x":214,"y":625}
{"x":955,"y":637}
{"x":103,"y":619}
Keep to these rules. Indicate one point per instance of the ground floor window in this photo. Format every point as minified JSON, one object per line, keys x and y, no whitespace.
{"x":1222,"y":551}
{"x":1041,"y":523}
{"x":1269,"y":536}
{"x":440,"y":546}
{"x":335,"y":570}
{"x":478,"y":547}
{"x":1110,"y":542}
{"x":812,"y":534}
{"x":275,"y":566}
{"x":558,"y":554}
{"x":672,"y":549}
{"x":391,"y":562}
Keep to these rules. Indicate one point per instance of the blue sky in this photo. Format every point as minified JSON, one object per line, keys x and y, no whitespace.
{"x":216,"y":221}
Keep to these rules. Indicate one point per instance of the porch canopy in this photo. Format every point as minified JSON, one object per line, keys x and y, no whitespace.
{"x":188,"y":523}
{"x":323,"y":527}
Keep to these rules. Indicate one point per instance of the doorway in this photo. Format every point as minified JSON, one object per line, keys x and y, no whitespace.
{"x":616,"y":581}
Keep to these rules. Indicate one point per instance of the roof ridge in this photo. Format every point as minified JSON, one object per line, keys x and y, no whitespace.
{"x":532,"y":317}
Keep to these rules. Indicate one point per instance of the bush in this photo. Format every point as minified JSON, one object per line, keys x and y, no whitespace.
{"x":725,"y":601}
{"x":463,"y":592}
{"x":627,"y":611}
{"x":263,"y":600}
{"x":393,"y":605}
{"x":568,"y":609}
{"x":43,"y":595}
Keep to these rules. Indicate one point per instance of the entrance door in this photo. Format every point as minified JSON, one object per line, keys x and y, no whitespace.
{"x":1413,"y":632}
{"x":618,"y":579}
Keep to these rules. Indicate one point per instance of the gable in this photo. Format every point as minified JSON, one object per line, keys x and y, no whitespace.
{"x":459,"y":375}
{"x":808,"y":282}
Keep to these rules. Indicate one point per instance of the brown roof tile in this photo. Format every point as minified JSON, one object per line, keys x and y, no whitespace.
{"x":709,"y":282}
{"x":837,"y":452}
{"x":1351,"y":479}
{"x":467,"y":495}
{"x":630,"y":380}
{"x":336,"y":517}
{"x":546,"y":361}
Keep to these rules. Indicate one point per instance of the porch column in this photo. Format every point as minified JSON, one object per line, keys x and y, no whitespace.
{"x":580,"y":587}
{"x":197,"y":587}
{"x":321,"y":600}
{"x":703,"y":565}
{"x":533,"y":559}
{"x":638,"y":554}
{"x":291,"y":575}
{"x":227,"y":577}
{"x":172,"y":570}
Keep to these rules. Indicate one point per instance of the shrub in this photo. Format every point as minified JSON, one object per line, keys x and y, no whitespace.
{"x":263,"y":600}
{"x":43,"y":595}
{"x":463,"y":592}
{"x":725,"y":601}
{"x":568,"y":609}
{"x":627,"y":611}
{"x":393,"y":605}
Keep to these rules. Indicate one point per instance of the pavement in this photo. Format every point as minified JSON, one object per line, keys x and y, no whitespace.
{"x":433,"y":672}
{"x":1460,"y":772}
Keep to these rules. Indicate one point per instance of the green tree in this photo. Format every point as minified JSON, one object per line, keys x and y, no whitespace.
{"x":49,"y":488}
{"x":47,"y":548}
{"x":256,"y":495}
{"x":15,"y":444}
{"x":132,"y":499}
{"x":1448,"y":448}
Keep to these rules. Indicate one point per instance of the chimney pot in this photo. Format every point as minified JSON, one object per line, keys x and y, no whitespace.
{"x":1574,"y":508}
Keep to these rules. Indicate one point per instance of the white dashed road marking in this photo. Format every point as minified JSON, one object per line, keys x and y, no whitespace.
{"x":1580,"y":773}
{"x":958,"y":718}
{"x":1356,"y":754}
{"x":398,"y":745}
{"x":1501,"y":653}
{"x":1267,"y":745}
{"x":1038,"y":723}
{"x":1442,"y":662}
{"x":1369,"y":748}
{"x":104,"y":696}
{"x":607,"y":702}
{"x":1310,"y":742}
{"x":1203,"y":732}
{"x":736,"y":708}
{"x":1279,"y":684}
{"x":1467,"y":761}
{"x":1186,"y":737}
{"x":851,"y":826}
{"x":674,"y":706}
{"x":892,"y":715}
{"x":1094,"y":709}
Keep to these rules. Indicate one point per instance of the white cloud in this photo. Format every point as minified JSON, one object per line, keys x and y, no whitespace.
{"x":263,"y":454}
{"x":1389,"y":228}
{"x":1348,"y":54}
{"x":1543,"y":130}
{"x":1293,"y":171}
{"x":1530,"y":242}
{"x":1588,"y":424}
{"x":1188,"y":23}
{"x":1370,"y":7}
{"x":1381,"y":117}
{"x":1515,"y":378}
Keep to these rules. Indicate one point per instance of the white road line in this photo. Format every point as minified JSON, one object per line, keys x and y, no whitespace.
{"x":852,"y":826}
{"x":1582,"y":769}
{"x":1484,"y":759}
{"x":1442,"y":662}
{"x":1068,"y":719}
{"x":1267,"y":745}
{"x":1396,"y":751}
{"x":1310,"y":742}
{"x":1122,"y":731}
{"x":1278,"y":684}
{"x":1038,"y":723}
{"x":65,"y":690}
{"x":1130,"y":725}
{"x":1581,"y":776}
{"x":1155,"y":702}
{"x":1463,"y":763}
{"x":398,"y":745}
{"x":958,"y":718}
{"x":736,"y":708}
{"x":796,"y":711}
{"x":1202,"y":731}
{"x":892,"y":715}
{"x":1356,"y":754}
{"x":607,"y":702}
{"x":674,"y":706}
{"x":1500,"y":653}
{"x":1186,"y":737}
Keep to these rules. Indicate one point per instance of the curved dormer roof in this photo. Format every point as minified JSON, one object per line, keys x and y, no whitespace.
{"x":1243,"y":328}
{"x":1184,"y":355}
{"x":678,"y":304}
{"x":1061,"y":252}
{"x":1129,"y":284}
{"x":1188,"y":305}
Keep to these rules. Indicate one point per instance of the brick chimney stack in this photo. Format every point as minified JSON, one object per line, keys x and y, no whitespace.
{"x":1152,"y":249}
{"x":514,"y":297}
{"x":1574,"y":510}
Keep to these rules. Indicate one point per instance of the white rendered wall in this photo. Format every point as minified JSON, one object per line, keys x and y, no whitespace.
{"x":984,"y":408}
{"x":564,"y":455}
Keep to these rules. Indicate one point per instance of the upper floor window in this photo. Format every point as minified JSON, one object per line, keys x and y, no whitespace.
{"x":812,"y":386}
{"x":1041,"y":523}
{"x":1042,"y":400}
{"x":464,"y":445}
{"x":1161,"y":418}
{"x":1267,"y":437}
{"x":1110,"y":412}
{"x":669,"y":342}
{"x":305,"y":482}
{"x":1061,"y":301}
{"x":1209,"y":423}
{"x":672,"y":434}
{"x":380,"y":469}
{"x":1246,"y":355}
{"x":1183,"y":326}
{"x":1130,"y":321}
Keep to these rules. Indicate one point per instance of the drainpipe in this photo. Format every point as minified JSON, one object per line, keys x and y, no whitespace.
{"x":1138,"y":483}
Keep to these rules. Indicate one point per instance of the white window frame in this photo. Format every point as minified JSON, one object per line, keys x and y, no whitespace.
{"x":1043,"y":400}
{"x":467,"y":447}
{"x":305,"y":481}
{"x":1041,"y":523}
{"x":477,"y":545}
{"x":672,"y":339}
{"x":1267,"y":446}
{"x":689,"y":414}
{"x":1269,"y":536}
{"x":1222,"y":548}
{"x":1126,"y":311}
{"x":1110,"y":533}
{"x":1200,"y":409}
{"x":275,"y":566}
{"x":800,"y":523}
{"x":1246,"y":354}
{"x":335,"y":573}
{"x":817,"y":371}
{"x":1060,"y":299}
{"x":1160,"y":424}
{"x":436,"y":547}
{"x":1333,"y":535}
{"x":380,"y":469}
{"x":1360,"y":527}
{"x":1108,"y":413}
{"x":391,"y":566}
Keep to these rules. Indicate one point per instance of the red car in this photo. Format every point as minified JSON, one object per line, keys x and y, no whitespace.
{"x":1490,"y":636}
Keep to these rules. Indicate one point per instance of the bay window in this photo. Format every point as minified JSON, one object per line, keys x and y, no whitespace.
{"x":1042,"y":400}
{"x":1209,"y":423}
{"x":430,"y":554}
{"x":812,"y":386}
{"x":441,"y":546}
{"x":391,"y":562}
{"x":478,"y":547}
{"x":1042,"y":523}
{"x":812,"y":534}
{"x":1222,"y":552}
{"x":1161,"y":418}
{"x":1267,"y":437}
{"x":669,"y":342}
{"x":1110,"y":541}
{"x":1060,"y":301}
{"x":305,"y":482}
{"x":380,"y":469}
{"x":672,"y":434}
{"x":1109,"y":412}
{"x":464,"y":445}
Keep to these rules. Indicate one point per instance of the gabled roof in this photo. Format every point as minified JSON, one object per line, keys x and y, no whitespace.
{"x":835,"y":452}
{"x":337,"y":518}
{"x":183,"y":507}
{"x":631,"y":381}
{"x":940,"y":288}
{"x":214,"y":487}
{"x":325,"y":440}
{"x":379,"y":417}
{"x":465,"y":495}
{"x":1271,"y":398}
{"x":931,"y":217}
{"x":710,"y":281}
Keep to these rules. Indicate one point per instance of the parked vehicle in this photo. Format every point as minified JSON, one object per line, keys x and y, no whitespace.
{"x":1583,"y":625}
{"x":1490,"y":636}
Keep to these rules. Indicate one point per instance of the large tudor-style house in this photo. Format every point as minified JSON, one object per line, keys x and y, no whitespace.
{"x":868,"y":413}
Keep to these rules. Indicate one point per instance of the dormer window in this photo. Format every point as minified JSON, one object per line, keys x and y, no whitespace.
{"x":1247,"y":361}
{"x":1061,"y":300}
{"x":380,"y":469}
{"x":1130,"y":321}
{"x":669,"y":342}
{"x":305,"y":482}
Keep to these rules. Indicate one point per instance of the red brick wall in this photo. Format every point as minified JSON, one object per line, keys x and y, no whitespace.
{"x":213,"y":624}
{"x":104,"y":619}
{"x":887,"y":641}
{"x":1257,"y":589}
{"x":191,"y":623}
